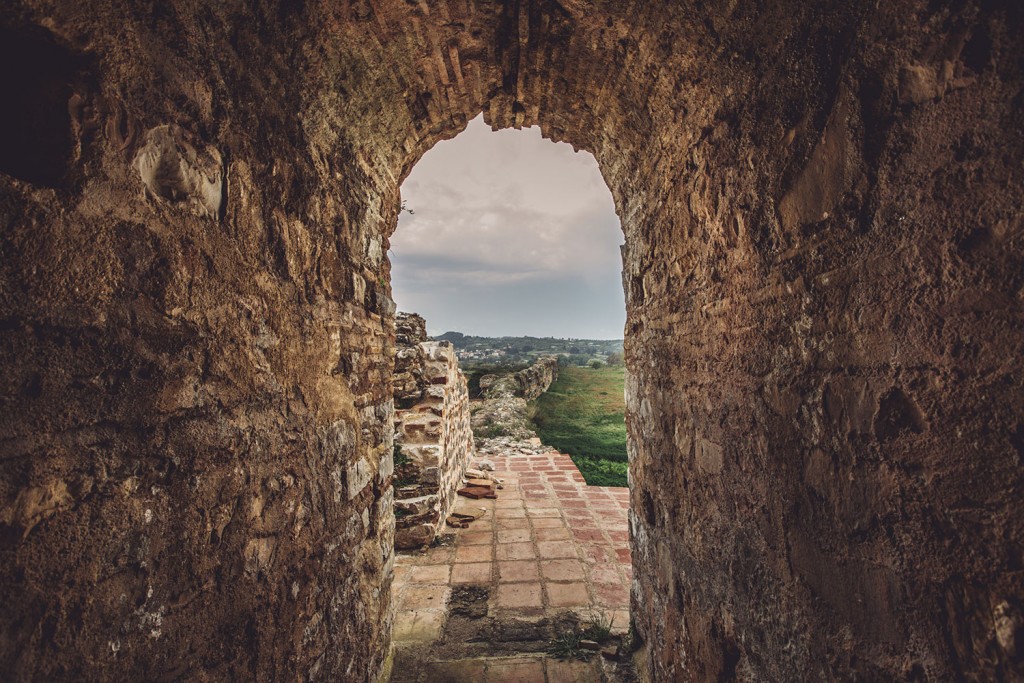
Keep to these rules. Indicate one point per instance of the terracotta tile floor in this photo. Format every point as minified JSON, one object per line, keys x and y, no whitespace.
{"x":547,"y":544}
{"x":512,"y":670}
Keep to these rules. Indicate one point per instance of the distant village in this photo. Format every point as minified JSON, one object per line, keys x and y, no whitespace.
{"x":513,"y":351}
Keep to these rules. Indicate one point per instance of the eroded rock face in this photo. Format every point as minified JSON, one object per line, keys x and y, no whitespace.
{"x":175,"y":171}
{"x":822,"y":213}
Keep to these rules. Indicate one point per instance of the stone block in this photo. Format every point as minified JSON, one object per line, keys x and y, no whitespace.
{"x":357,"y":477}
{"x":418,"y":505}
{"x":415,"y":536}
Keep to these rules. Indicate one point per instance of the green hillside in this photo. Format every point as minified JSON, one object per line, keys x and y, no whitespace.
{"x":583,"y":414}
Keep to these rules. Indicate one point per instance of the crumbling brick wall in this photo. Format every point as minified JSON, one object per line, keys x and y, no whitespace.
{"x":433,"y":440}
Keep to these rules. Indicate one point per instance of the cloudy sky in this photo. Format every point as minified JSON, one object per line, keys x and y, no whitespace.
{"x":512,"y":235}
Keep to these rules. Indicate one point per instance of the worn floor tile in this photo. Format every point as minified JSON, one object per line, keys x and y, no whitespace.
{"x":472,"y":572}
{"x":525,"y":671}
{"x":416,"y":597}
{"x":436,"y":573}
{"x":562,"y":570}
{"x":571,"y":671}
{"x":547,"y":523}
{"x":519,"y":595}
{"x":518,"y":570}
{"x":418,"y":626}
{"x":567,"y":594}
{"x":459,"y":671}
{"x":516,"y":551}
{"x":473,"y":553}
{"x":475,"y":537}
{"x":514,"y":535}
{"x":555,"y":549}
{"x":552,"y":534}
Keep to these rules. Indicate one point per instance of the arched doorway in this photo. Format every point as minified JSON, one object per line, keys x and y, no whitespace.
{"x":820,"y":210}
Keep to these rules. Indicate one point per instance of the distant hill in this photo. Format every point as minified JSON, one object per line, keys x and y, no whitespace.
{"x":453,"y":337}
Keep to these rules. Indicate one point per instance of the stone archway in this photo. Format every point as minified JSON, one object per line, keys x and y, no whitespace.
{"x":822,"y":224}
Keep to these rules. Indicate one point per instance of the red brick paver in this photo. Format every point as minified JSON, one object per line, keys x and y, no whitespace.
{"x":547,"y":544}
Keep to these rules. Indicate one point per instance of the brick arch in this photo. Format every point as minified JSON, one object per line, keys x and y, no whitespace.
{"x":826,"y":464}
{"x":583,"y":78}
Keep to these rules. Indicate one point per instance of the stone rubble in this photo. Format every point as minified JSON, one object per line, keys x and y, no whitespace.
{"x":507,"y":446}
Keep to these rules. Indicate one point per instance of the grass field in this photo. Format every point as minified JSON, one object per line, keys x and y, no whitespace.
{"x":583,"y":414}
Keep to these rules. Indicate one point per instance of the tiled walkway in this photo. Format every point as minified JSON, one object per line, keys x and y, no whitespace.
{"x":549,"y":543}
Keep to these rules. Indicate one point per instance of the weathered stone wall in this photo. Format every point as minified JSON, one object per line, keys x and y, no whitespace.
{"x":824,"y":288}
{"x":432,"y":429}
{"x":410,"y":329}
{"x":503,"y":410}
{"x":196,"y":407}
{"x":408,"y":380}
{"x":536,"y":379}
{"x":822,"y":207}
{"x":528,"y":383}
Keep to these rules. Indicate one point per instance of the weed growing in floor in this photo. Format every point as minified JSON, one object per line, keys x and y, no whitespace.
{"x":567,"y":646}
{"x":598,"y":627}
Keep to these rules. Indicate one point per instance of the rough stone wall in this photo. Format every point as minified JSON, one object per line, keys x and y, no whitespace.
{"x":825,"y":294}
{"x":503,"y":410}
{"x":528,"y":383}
{"x":410,"y":329}
{"x":408,"y":380}
{"x":432,"y":428}
{"x":196,"y":407}
{"x":822,"y":210}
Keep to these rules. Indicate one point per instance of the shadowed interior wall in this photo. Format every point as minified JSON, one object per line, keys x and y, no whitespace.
{"x":823,"y":269}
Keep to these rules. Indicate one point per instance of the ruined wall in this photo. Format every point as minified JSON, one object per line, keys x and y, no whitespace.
{"x":528,"y":383}
{"x":503,"y":410}
{"x":822,"y":211}
{"x":825,"y":426}
{"x":432,"y":431}
{"x":196,"y":407}
{"x":408,"y":380}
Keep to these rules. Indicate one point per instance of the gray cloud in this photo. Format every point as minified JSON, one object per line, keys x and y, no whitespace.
{"x":512,"y":234}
